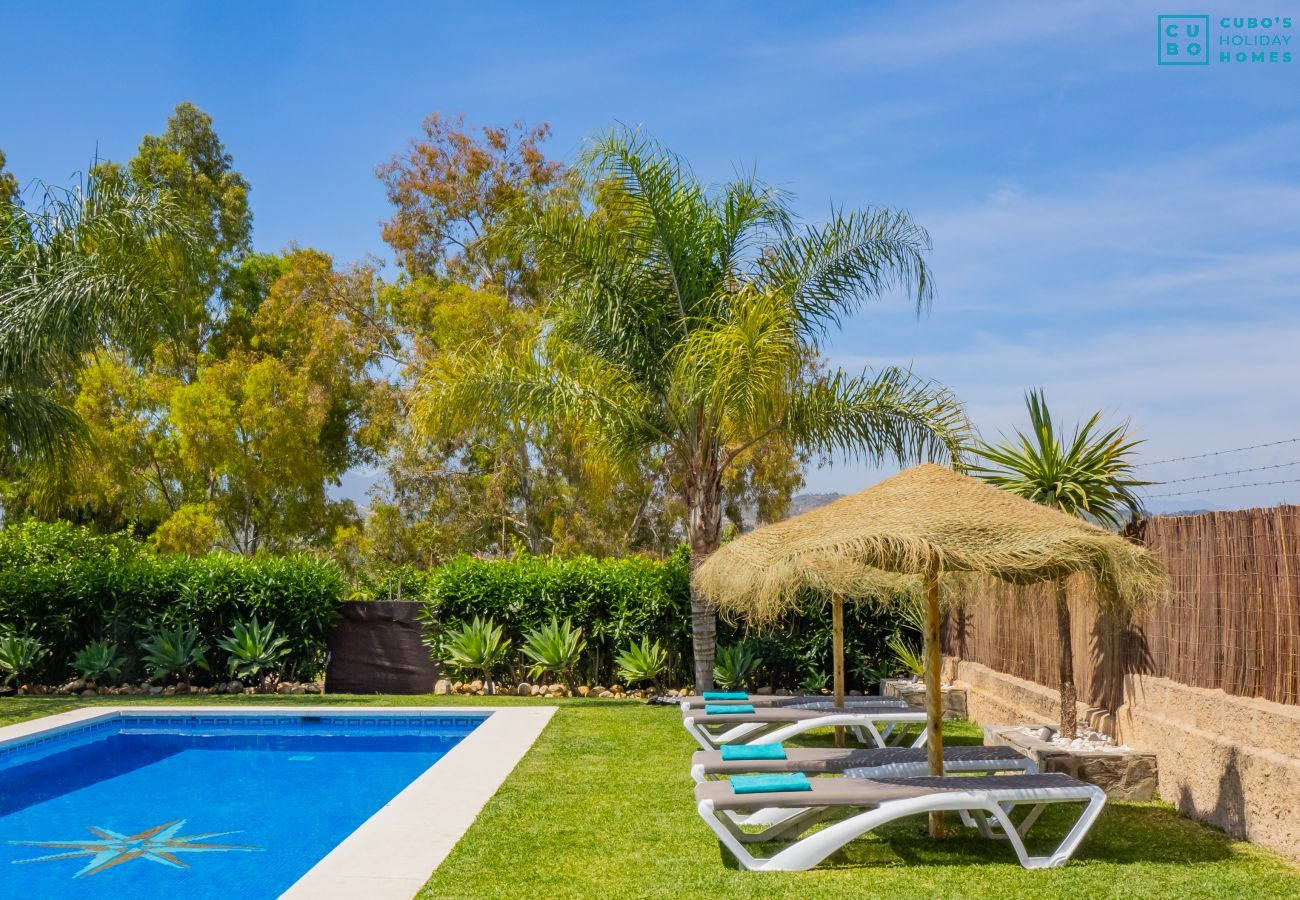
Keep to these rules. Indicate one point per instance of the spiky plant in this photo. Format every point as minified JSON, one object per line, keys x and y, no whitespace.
{"x":642,"y":662}
{"x":174,"y":652}
{"x":689,"y":322}
{"x":479,"y":646}
{"x":735,"y":665}
{"x":254,"y":651}
{"x":99,"y":661}
{"x":555,"y":647}
{"x":20,"y":655}
{"x":1088,"y":474}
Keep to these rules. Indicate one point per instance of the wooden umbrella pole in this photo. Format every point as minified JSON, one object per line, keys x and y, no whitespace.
{"x":933,"y":690}
{"x":837,"y":617}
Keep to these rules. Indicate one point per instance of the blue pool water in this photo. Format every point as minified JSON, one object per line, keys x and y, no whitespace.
{"x":230,"y":807}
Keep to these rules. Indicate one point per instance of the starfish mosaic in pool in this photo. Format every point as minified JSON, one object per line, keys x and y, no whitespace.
{"x":158,"y":844}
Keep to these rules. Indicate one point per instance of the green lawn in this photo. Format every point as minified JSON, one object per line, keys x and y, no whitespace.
{"x":601,"y":807}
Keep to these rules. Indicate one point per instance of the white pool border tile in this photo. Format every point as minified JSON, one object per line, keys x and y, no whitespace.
{"x":392,"y":854}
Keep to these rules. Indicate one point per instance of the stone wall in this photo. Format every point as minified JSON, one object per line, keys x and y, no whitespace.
{"x":1231,"y":761}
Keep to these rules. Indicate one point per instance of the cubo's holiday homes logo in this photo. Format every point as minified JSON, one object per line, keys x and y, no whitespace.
{"x":1185,"y":40}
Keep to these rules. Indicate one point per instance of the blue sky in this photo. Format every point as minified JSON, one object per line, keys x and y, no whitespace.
{"x":1125,"y":235}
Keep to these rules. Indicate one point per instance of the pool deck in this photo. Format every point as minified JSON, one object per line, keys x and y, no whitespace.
{"x":393,"y":853}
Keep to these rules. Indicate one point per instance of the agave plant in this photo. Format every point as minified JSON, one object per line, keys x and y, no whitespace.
{"x":174,"y":653}
{"x":734,"y":666}
{"x":99,"y":661}
{"x":478,"y":647}
{"x":20,"y":654}
{"x":642,"y":662}
{"x":555,"y":647}
{"x":255,"y":651}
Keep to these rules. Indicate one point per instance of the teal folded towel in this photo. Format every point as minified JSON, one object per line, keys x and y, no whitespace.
{"x":716,"y":709}
{"x":725,"y":695}
{"x":763,"y":784}
{"x":752,"y":751}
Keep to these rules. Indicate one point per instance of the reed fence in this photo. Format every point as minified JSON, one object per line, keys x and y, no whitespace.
{"x":1232,"y":620}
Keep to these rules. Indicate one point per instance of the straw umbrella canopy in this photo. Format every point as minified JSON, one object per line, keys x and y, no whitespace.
{"x":924,"y":522}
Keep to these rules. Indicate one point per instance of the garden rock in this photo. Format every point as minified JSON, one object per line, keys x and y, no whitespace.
{"x":442,"y":686}
{"x":606,"y":695}
{"x":524,"y":690}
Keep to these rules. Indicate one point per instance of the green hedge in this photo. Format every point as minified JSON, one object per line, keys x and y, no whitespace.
{"x":617,"y":601}
{"x":68,"y":586}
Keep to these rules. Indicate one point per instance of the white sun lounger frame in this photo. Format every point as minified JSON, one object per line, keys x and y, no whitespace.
{"x":874,"y":728}
{"x":976,"y":808}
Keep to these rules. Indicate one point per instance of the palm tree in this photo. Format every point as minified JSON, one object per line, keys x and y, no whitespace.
{"x":688,"y":322}
{"x":82,"y":267}
{"x":1091,"y":476}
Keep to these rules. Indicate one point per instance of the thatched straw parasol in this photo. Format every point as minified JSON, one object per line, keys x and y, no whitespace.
{"x":926,"y":521}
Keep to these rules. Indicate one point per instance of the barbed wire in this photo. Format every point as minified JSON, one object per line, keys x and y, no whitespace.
{"x":1227,"y":487}
{"x":1173,"y":459}
{"x":1233,"y":472}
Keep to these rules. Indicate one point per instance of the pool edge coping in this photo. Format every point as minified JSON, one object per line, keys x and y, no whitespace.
{"x":394,"y":852}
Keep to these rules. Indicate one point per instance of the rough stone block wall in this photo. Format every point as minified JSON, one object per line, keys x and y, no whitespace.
{"x":1231,"y":761}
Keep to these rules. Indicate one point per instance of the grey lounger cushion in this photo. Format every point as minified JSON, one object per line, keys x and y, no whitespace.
{"x":865,"y":793}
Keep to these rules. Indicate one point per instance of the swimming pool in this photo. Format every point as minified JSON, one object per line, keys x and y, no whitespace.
{"x":134,"y":802}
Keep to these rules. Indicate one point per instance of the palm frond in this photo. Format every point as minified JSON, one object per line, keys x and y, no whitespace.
{"x":894,"y":415}
{"x":480,"y":386}
{"x":39,"y":431}
{"x":742,"y":366}
{"x":662,"y":209}
{"x":832,"y":270}
{"x":85,"y":264}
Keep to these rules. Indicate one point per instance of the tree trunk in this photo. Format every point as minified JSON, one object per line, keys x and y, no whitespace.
{"x":1069,"y":694}
{"x":933,"y":691}
{"x":837,"y":617}
{"x":704,"y":531}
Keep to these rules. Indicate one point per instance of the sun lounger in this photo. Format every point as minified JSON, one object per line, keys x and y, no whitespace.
{"x":888,"y":762}
{"x":985,"y":801}
{"x":772,"y":700}
{"x":875,"y":726}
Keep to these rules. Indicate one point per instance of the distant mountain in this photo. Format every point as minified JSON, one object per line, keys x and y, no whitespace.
{"x":801,"y":503}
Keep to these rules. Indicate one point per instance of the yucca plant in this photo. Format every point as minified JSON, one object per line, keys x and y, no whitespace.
{"x":477,"y":647}
{"x":734,"y":666}
{"x":99,"y":661}
{"x":20,"y":654}
{"x":254,"y":651}
{"x":642,"y":662}
{"x":555,"y":647}
{"x":907,"y":655}
{"x":174,"y":653}
{"x":1089,"y":475}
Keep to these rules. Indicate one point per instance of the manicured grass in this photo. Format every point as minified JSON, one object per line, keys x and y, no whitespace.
{"x":601,"y":807}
